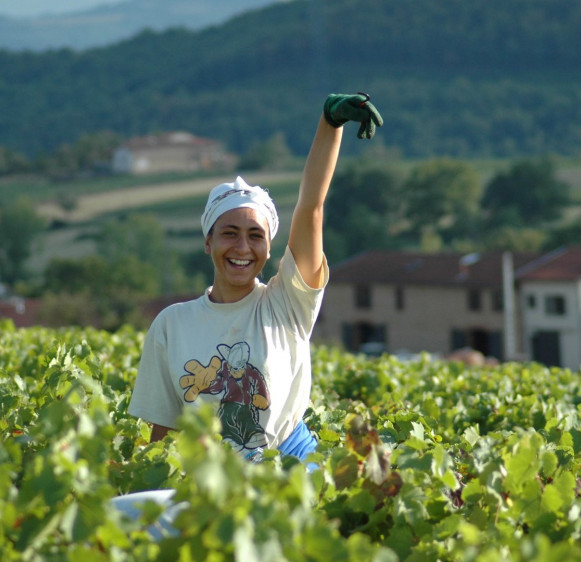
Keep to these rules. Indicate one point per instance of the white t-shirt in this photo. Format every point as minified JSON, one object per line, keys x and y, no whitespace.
{"x":251,"y":359}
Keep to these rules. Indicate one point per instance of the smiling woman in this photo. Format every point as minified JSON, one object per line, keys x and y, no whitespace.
{"x":244,"y":346}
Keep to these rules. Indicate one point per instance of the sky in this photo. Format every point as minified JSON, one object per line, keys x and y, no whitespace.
{"x":30,"y":8}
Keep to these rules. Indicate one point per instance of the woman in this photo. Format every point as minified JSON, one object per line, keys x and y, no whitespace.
{"x":244,"y":346}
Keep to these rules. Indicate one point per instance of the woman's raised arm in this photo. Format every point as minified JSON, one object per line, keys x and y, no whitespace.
{"x":306,"y":232}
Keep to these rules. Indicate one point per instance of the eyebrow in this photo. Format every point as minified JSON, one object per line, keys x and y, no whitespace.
{"x":236,"y":227}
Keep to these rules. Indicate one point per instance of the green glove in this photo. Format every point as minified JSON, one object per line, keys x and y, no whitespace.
{"x":340,"y":108}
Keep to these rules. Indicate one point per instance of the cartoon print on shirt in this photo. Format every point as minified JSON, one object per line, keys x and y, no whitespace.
{"x":244,"y":393}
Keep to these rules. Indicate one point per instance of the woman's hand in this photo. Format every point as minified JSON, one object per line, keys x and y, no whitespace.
{"x":340,"y":108}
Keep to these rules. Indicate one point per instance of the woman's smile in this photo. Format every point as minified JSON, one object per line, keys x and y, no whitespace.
{"x":241,"y":263}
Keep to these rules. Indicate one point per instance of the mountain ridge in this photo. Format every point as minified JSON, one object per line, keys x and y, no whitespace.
{"x":110,"y":23}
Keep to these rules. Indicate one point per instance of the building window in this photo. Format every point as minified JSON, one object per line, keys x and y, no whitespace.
{"x":363,"y":296}
{"x":474,"y":300}
{"x":360,"y":336}
{"x":555,"y":305}
{"x":399,"y":298}
{"x":348,"y":336}
{"x":497,"y":301}
{"x":531,"y":301}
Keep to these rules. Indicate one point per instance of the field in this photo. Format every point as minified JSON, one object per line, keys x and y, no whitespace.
{"x":419,"y":461}
{"x":177,"y":202}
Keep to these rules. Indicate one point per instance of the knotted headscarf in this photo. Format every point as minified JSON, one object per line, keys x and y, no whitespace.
{"x":228,"y":196}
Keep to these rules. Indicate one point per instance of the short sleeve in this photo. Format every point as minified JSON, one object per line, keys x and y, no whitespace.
{"x":154,"y":398}
{"x":294,"y":295}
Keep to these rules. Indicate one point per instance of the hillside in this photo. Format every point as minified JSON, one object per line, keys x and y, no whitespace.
{"x":469,"y":79}
{"x":109,"y":24}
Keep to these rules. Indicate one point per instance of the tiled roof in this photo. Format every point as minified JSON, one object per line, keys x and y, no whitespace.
{"x":449,"y":268}
{"x":563,"y":264}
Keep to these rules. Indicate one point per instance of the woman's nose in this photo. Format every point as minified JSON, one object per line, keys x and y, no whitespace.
{"x":242,"y":243}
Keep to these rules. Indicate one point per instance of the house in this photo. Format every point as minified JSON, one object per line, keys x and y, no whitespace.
{"x":413,"y":302}
{"x":550,"y":291}
{"x":171,"y":152}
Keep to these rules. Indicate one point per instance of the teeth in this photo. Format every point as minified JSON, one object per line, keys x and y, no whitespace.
{"x":240,"y":262}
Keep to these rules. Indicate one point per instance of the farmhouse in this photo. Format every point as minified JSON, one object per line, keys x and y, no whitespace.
{"x":171,"y":152}
{"x":525,"y":307}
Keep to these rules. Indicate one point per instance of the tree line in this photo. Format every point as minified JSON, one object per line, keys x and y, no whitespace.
{"x":90,"y":154}
{"x":441,"y":205}
{"x":455,"y":78}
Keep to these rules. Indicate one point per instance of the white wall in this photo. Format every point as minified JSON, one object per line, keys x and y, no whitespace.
{"x":536,"y":318}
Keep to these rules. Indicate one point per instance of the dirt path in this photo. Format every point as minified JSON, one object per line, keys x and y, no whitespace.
{"x":92,"y":205}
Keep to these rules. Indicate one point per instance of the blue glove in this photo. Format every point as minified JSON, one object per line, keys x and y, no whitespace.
{"x":340,"y":108}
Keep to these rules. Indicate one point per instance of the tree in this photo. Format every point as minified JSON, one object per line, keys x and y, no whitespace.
{"x":142,"y":236}
{"x":271,"y":154}
{"x":527,"y":194}
{"x":97,"y":291}
{"x":90,"y":153}
{"x":364,"y":205}
{"x":12,"y":162}
{"x":442,"y":195}
{"x":132,"y":265}
{"x":75,"y":276}
{"x":139,"y":235}
{"x":19,"y":227}
{"x":566,"y":235}
{"x":516,"y":239}
{"x":96,"y":149}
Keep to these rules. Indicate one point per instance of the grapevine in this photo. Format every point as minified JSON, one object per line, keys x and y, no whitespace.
{"x":422,"y":460}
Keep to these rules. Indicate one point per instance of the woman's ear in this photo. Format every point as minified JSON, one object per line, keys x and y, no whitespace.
{"x":207,"y":247}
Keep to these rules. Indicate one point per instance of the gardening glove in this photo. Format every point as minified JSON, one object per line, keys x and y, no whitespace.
{"x":340,"y":108}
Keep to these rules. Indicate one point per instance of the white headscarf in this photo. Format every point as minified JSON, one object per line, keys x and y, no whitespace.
{"x":228,"y":196}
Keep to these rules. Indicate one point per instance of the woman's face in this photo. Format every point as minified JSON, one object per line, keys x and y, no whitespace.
{"x":239,"y":244}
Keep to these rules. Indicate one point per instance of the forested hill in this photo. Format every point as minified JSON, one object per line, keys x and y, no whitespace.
{"x":478,"y":78}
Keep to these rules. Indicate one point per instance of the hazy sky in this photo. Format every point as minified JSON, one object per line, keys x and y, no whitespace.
{"x":25,"y":8}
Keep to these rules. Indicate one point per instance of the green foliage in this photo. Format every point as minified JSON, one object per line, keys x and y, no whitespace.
{"x":441,"y":203}
{"x":90,"y":153}
{"x":364,"y":204}
{"x":524,"y":239}
{"x":109,"y":289}
{"x":416,"y":461}
{"x":527,"y":194}
{"x":568,"y":234}
{"x":440,"y":192}
{"x":272,"y":154}
{"x":19,"y":227}
{"x":12,"y":162}
{"x":138,"y":235}
{"x":485,"y":77}
{"x":94,"y":290}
